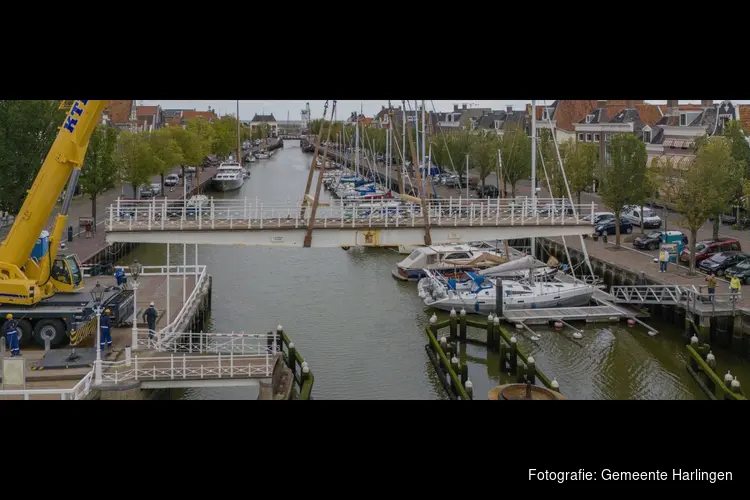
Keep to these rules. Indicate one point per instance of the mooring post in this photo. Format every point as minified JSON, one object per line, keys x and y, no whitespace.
{"x":469,"y":386}
{"x":735,"y":386}
{"x":555,"y":385}
{"x":499,"y":299}
{"x":490,"y":332}
{"x":496,"y":337}
{"x":464,"y":373}
{"x":444,"y":344}
{"x":520,"y":373}
{"x":455,"y":367}
{"x":433,"y":324}
{"x":513,"y":354}
{"x":454,"y":324}
{"x":531,"y":370}
{"x":462,"y":320}
{"x":292,"y":358}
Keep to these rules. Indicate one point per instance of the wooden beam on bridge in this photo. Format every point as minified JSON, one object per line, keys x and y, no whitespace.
{"x":310,"y":199}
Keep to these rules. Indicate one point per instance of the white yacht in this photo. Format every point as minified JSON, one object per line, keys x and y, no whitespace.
{"x":229,"y":176}
{"x":446,"y":257}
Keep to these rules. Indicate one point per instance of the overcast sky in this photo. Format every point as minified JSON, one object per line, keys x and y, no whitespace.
{"x":280,"y":109}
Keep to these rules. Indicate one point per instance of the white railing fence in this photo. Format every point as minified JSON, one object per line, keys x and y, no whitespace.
{"x":176,"y":367}
{"x":170,"y":215}
{"x":80,"y":391}
{"x":212,"y":343}
{"x":170,"y":330}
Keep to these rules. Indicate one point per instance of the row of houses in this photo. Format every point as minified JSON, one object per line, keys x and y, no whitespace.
{"x":668,"y":131}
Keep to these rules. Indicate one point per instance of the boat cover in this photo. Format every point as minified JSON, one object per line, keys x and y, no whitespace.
{"x":527,"y":262}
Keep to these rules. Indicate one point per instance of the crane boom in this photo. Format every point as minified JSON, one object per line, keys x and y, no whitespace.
{"x":22,"y":277}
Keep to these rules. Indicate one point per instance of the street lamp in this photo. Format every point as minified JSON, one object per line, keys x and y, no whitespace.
{"x":135,"y":271}
{"x":97,"y":294}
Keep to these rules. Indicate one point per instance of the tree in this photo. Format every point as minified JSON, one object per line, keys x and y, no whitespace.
{"x":725,"y":176}
{"x":167,"y":151}
{"x":193,"y":147}
{"x":224,"y":140}
{"x":624,"y":178}
{"x":515,"y":151}
{"x":550,"y":167}
{"x":205,"y":134}
{"x":262,"y":131}
{"x":736,"y":135}
{"x":484,"y":154}
{"x":27,"y":130}
{"x":99,"y":169}
{"x":135,"y":159}
{"x":580,"y":160}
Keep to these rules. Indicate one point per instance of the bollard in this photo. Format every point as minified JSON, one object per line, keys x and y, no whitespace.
{"x":736,"y":386}
{"x":128,"y":354}
{"x":70,"y":234}
{"x":728,"y":379}
{"x":694,"y":341}
{"x":469,"y":386}
{"x":531,"y":370}
{"x":513,"y":354}
{"x":292,"y":358}
{"x":462,"y":322}
{"x":555,"y":385}
{"x":433,"y":324}
{"x":711,"y":360}
{"x":305,"y":371}
{"x":454,"y":324}
{"x":490,"y":333}
{"x":497,"y":335}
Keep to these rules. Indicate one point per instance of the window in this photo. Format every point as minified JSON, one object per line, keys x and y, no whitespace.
{"x":589,"y":118}
{"x":580,"y":137}
{"x":647,"y":136}
{"x":596,"y":137}
{"x":588,"y":137}
{"x":683,"y":119}
{"x":736,"y":247}
{"x":725,"y":247}
{"x":546,"y":114}
{"x":607,"y":137}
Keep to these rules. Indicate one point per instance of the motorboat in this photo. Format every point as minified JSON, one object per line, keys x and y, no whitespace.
{"x":262,"y":155}
{"x":437,"y":257}
{"x":478,"y":294}
{"x":229,"y":176}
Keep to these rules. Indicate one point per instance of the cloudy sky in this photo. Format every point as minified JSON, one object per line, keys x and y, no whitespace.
{"x":280,"y":109}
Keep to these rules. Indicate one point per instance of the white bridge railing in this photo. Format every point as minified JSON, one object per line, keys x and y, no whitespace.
{"x":173,"y":215}
{"x":211,"y":343}
{"x":79,"y":391}
{"x":201,"y":274}
{"x":187,"y":367}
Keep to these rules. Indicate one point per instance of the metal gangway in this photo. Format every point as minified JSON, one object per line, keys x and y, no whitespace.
{"x":691,"y":298}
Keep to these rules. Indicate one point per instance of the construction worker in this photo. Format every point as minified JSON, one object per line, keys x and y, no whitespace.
{"x":663,"y":260}
{"x":120,"y":277}
{"x":10,"y":329}
{"x":149,"y":316}
{"x":106,"y":334}
{"x":711,"y":279}
{"x":734,"y":287}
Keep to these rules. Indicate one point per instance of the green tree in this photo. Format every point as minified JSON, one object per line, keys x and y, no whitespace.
{"x":580,"y":160}
{"x":167,"y":151}
{"x":99,"y":169}
{"x":515,"y":151}
{"x":27,"y":130}
{"x":484,"y":155}
{"x":624,"y":178}
{"x":193,"y":147}
{"x":261,"y":131}
{"x":135,"y":159}
{"x":205,"y":134}
{"x":737,"y":137}
{"x":224,"y":140}
{"x":726,"y":175}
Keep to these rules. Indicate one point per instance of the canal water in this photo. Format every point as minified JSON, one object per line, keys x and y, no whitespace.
{"x":362,"y":332}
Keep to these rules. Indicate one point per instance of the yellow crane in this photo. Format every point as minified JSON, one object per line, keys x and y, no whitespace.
{"x":24,"y":279}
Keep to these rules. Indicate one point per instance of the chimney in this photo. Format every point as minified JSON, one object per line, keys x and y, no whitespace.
{"x":629,"y":104}
{"x":673,"y":107}
{"x":601,"y":104}
{"x":707,"y":104}
{"x":509,"y":108}
{"x":455,"y":107}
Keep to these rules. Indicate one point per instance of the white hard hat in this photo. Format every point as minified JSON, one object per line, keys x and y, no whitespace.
{"x":151,"y":304}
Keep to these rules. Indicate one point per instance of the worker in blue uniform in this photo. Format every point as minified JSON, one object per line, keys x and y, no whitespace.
{"x":120,"y":277}
{"x":150,"y":315}
{"x":10,"y":329}
{"x":106,"y":336}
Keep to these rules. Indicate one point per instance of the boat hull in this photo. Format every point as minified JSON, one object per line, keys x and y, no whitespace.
{"x":226,"y":184}
{"x":486,"y":306}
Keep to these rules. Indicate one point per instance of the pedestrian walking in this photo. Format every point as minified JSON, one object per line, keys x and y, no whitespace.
{"x":663,"y":260}
{"x":149,"y":316}
{"x":10,"y":329}
{"x":734,"y":287}
{"x":106,"y":333}
{"x":120,"y":276}
{"x":711,"y":279}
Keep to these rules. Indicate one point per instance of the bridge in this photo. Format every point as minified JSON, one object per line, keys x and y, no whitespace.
{"x":689,"y":297}
{"x":339,"y":223}
{"x":291,"y":137}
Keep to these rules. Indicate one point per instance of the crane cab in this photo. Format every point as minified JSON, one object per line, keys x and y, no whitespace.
{"x":67,"y":273}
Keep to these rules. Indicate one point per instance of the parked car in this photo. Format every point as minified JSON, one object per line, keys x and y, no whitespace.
{"x":146,"y":191}
{"x":171,"y":180}
{"x":731,"y":218}
{"x":708,"y":248}
{"x":155,"y":189}
{"x":652,"y":240}
{"x":609,"y":227}
{"x":488,"y":192}
{"x":741,"y":271}
{"x":722,"y":261}
{"x":650,"y":219}
{"x":599,"y":217}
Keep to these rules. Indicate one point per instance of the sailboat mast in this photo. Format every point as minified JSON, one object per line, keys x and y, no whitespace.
{"x":533,"y":167}
{"x":388,"y":153}
{"x":239,"y":155}
{"x":356,"y":147}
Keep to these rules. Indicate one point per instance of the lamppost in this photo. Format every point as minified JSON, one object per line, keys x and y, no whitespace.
{"x":135,"y":271}
{"x":97,"y":294}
